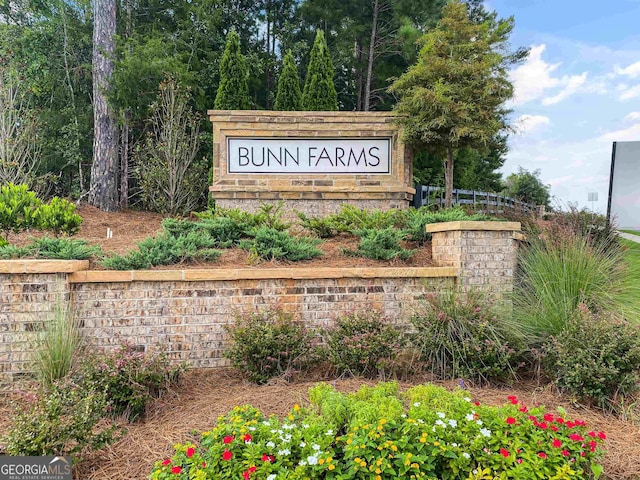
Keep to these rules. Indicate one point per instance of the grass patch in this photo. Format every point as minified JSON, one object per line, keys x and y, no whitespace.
{"x":632,"y":232}
{"x":631,"y":294}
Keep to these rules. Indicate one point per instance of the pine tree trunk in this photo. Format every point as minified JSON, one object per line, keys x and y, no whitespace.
{"x":372,"y":51}
{"x":448,"y":179}
{"x":103,"y":192}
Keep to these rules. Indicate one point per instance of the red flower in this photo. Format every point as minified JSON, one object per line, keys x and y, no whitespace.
{"x":477,"y":404}
{"x":533,"y":418}
{"x":228,"y":439}
{"x":267,"y":458}
{"x":247,"y":438}
{"x":565,"y":453}
{"x":543,"y":425}
{"x":576,"y":438}
{"x":602,"y":435}
{"x":570,"y":424}
{"x":556,"y":443}
{"x":190,"y":452}
{"x":554,"y":428}
{"x":560,"y":420}
{"x":592,"y":434}
{"x":252,"y":469}
{"x":166,"y":462}
{"x":523,"y":409}
{"x":504,"y":452}
{"x":511,"y":420}
{"x":580,"y":423}
{"x":519,"y":460}
{"x":246,"y":475}
{"x":513,"y":399}
{"x":176,"y":470}
{"x":227,"y":455}
{"x":204,"y":464}
{"x":542,"y":455}
{"x":548,"y":417}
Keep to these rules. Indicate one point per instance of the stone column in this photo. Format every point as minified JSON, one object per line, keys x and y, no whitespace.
{"x":485,"y":253}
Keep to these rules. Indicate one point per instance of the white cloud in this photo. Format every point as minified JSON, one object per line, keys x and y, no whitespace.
{"x":631,"y":133}
{"x":533,"y":77}
{"x":530,"y":123}
{"x":632,"y":70}
{"x":556,"y":182}
{"x":573,"y":84}
{"x":630,"y":92}
{"x":630,"y":117}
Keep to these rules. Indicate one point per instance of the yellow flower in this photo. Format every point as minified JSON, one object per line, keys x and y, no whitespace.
{"x":423,"y":440}
{"x":363,"y":463}
{"x":349,"y":441}
{"x":296,"y":407}
{"x":378,"y":471}
{"x":331,"y":467}
{"x":436,"y":444}
{"x":320,"y":461}
{"x":329,"y":459}
{"x":415,"y":465}
{"x":378,"y":477}
{"x":394,"y":448}
{"x":290,"y":417}
{"x":383,"y":421}
{"x":357,"y":460}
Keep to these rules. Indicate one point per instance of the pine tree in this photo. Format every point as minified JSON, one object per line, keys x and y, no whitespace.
{"x":233,"y":91}
{"x":289,"y":96}
{"x":319,"y":90}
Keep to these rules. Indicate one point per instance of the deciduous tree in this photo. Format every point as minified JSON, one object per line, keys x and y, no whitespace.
{"x":454,"y":96}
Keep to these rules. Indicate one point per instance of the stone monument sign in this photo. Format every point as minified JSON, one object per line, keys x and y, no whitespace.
{"x":313,"y":161}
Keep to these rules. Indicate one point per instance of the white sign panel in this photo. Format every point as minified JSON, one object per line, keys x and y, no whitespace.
{"x":309,"y":155}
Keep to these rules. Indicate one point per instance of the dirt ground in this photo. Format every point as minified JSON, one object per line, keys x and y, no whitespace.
{"x":130,"y":227}
{"x":204,"y":395}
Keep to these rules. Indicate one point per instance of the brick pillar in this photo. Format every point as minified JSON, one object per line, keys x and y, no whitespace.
{"x":484,"y":252}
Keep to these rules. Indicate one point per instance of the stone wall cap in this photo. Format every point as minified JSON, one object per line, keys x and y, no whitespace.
{"x":43,"y":266}
{"x":467,"y":225}
{"x":193,"y":275}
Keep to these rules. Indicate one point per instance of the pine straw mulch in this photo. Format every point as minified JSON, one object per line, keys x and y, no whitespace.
{"x":203,"y":395}
{"x":130,"y":227}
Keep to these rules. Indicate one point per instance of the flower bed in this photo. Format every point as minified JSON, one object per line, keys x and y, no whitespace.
{"x":379,"y":433}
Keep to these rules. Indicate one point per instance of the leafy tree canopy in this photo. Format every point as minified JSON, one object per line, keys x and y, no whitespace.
{"x":528,"y":187}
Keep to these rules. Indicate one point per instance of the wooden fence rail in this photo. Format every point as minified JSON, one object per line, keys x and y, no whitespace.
{"x":488,"y":201}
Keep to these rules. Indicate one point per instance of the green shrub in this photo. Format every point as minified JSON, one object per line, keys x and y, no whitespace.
{"x":128,"y":378}
{"x":595,"y":359}
{"x":380,"y":244}
{"x":62,"y":420}
{"x":63,"y":248}
{"x":165,"y":250}
{"x":18,"y":208}
{"x":419,"y":218}
{"x":459,"y":335}
{"x":378,"y":433}
{"x":362,"y":343}
{"x":59,"y":217}
{"x":7,"y":252}
{"x":56,"y":344}
{"x":323,"y":227}
{"x":560,"y":271}
{"x":271,"y":244}
{"x":268,"y":344}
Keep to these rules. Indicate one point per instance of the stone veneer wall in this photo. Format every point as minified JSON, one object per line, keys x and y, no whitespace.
{"x":184,"y":311}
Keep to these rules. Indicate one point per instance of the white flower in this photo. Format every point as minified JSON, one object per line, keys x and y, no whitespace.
{"x":466,"y":455}
{"x":329,"y":432}
{"x":271,"y":444}
{"x":288,"y":427}
{"x":306,"y":425}
{"x":265,"y":423}
{"x":420,"y":420}
{"x":441,"y":423}
{"x":302,"y":444}
{"x":284,"y":451}
{"x":475,"y":472}
{"x":403,"y":416}
{"x":316,"y":447}
{"x":466,"y":399}
{"x":454,"y":445}
{"x":469,"y":417}
{"x":440,"y":414}
{"x":485,"y":432}
{"x":312,"y":460}
{"x":453,"y":423}
{"x":479,"y":422}
{"x":302,"y":463}
{"x":253,"y":429}
{"x":272,"y":477}
{"x":417,"y":404}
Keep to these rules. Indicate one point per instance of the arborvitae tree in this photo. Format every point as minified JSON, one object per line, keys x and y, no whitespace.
{"x":289,"y":96}
{"x":233,"y":91}
{"x":319,"y":91}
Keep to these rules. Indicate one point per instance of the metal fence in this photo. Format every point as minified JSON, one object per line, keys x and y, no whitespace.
{"x":487,"y":201}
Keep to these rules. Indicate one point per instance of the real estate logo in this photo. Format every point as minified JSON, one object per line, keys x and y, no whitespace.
{"x":35,"y":468}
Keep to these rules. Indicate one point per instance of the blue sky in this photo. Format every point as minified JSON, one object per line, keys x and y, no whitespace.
{"x":578,"y":91}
